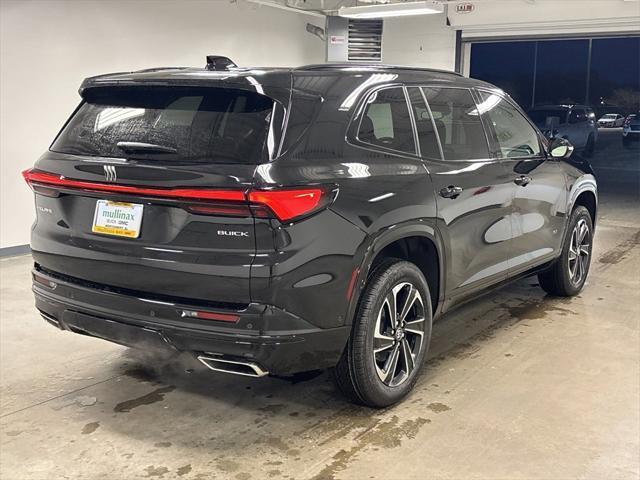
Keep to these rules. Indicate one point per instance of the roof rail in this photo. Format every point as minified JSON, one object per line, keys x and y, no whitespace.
{"x":157,"y":69}
{"x":216,"y":62}
{"x":371,"y":66}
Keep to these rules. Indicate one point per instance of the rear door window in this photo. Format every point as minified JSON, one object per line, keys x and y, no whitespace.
{"x":427,"y":135}
{"x":386,"y":122}
{"x":173,"y":124}
{"x":458,"y":123}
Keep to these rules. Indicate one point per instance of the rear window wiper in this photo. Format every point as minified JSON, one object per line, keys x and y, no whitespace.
{"x":141,"y":147}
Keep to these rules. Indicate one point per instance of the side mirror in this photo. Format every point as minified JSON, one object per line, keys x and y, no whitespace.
{"x":560,"y":148}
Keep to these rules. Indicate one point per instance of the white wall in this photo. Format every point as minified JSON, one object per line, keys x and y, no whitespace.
{"x":428,"y":42}
{"x":422,"y":41}
{"x":547,"y":17}
{"x":48,"y":47}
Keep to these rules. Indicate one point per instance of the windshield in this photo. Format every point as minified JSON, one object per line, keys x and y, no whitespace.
{"x":172,"y":124}
{"x":542,"y":116}
{"x":609,"y":116}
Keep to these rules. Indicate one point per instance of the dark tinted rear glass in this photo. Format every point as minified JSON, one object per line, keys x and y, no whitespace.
{"x":543,"y":116}
{"x":173,"y":124}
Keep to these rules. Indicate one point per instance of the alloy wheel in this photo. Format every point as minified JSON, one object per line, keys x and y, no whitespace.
{"x":399,"y":334}
{"x":579,"y":252}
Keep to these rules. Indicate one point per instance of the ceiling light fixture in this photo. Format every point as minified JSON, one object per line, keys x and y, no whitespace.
{"x":392,"y":10}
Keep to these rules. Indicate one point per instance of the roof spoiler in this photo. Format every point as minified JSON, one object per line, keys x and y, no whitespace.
{"x":215,"y":62}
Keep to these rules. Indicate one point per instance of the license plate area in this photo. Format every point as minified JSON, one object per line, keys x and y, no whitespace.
{"x":120,"y":219}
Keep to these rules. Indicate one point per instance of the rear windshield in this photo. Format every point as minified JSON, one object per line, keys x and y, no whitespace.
{"x":172,"y":124}
{"x":542,"y":116}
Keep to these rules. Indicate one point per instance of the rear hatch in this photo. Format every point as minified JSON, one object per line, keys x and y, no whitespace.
{"x":144,"y":188}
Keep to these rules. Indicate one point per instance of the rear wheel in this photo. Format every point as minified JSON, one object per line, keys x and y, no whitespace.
{"x":390,"y":336}
{"x":569,"y":273}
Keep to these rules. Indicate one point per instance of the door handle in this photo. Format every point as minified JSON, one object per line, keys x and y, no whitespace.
{"x":522,"y":180}
{"x":451,"y":191}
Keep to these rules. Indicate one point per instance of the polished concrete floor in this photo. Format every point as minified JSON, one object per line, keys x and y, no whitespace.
{"x":518,"y":385}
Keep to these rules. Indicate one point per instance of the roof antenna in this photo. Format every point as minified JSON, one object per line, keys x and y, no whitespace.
{"x":215,"y":62}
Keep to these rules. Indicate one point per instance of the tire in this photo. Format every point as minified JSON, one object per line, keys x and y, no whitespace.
{"x":381,"y":379}
{"x":568,"y":274}
{"x":590,"y":147}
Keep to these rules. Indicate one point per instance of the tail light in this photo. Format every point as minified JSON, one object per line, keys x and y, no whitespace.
{"x":286,"y":204}
{"x":292,"y":203}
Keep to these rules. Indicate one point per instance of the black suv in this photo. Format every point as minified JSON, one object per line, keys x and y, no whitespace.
{"x":273,"y":221}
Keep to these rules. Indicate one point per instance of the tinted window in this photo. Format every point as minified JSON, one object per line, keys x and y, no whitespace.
{"x":513,"y":133}
{"x":458,"y":123}
{"x":509,"y":65}
{"x":615,"y":66}
{"x":427,"y":136}
{"x":577,"y":115}
{"x":544,"y":117}
{"x":386,"y":122}
{"x":189,"y":125}
{"x":561,"y":71}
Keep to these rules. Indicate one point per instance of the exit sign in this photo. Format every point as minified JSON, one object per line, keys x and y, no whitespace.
{"x":465,"y":8}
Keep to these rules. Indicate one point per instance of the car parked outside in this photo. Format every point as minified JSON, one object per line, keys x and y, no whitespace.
{"x":611,"y":120}
{"x":631,"y":129}
{"x":575,"y":123}
{"x":274,"y":221}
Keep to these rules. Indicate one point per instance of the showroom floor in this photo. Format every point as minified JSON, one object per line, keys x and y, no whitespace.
{"x":517,"y":386}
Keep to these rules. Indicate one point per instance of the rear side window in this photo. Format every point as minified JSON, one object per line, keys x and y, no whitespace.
{"x":386,"y":122}
{"x":458,"y":123}
{"x":513,"y":133}
{"x":173,"y":124}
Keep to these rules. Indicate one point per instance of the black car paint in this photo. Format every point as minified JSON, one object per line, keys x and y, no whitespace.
{"x":296,"y":285}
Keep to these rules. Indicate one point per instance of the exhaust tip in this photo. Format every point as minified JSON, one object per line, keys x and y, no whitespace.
{"x":51,"y":319}
{"x":219,"y":363}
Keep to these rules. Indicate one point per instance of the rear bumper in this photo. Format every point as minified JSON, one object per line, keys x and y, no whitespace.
{"x":276,"y":341}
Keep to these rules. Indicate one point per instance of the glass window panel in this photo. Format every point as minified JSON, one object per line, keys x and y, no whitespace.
{"x":427,"y":136}
{"x":508,"y":65}
{"x":458,"y":123}
{"x":182,"y":124}
{"x":615,"y":65}
{"x":386,"y":122}
{"x":514,"y":134}
{"x":561,"y":74}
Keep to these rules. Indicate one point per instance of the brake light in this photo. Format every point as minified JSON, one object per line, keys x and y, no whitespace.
{"x":285,"y":203}
{"x":291,"y":203}
{"x":49,"y":179}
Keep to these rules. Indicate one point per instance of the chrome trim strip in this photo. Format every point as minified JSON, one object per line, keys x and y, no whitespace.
{"x":258,"y":372}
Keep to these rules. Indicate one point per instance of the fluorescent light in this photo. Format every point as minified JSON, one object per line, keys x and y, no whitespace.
{"x":392,"y":10}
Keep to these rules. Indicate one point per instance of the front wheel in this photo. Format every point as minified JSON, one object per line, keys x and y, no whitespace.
{"x":569,"y":273}
{"x":390,"y":336}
